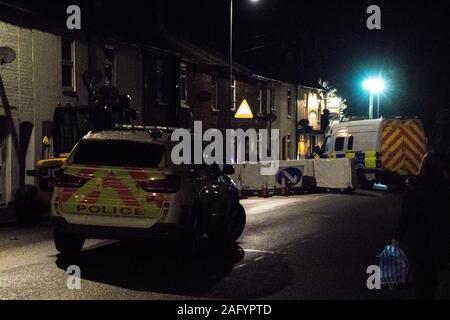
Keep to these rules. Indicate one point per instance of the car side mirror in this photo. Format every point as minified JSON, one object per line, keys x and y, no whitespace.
{"x":228,"y":170}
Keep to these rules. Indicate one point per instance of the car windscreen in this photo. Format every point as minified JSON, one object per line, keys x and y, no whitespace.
{"x":118,"y":153}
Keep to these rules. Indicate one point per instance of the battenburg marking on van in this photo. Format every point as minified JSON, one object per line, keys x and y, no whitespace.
{"x":403,"y":146}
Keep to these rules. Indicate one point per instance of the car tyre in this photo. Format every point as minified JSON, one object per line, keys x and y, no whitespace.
{"x":237,"y":223}
{"x":234,"y":228}
{"x":67,"y":244}
{"x":27,"y":209}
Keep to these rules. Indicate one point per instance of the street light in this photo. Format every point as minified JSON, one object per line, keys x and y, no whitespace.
{"x":375,"y":86}
{"x":228,"y":111}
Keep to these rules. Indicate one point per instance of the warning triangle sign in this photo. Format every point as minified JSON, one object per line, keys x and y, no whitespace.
{"x":244,"y":111}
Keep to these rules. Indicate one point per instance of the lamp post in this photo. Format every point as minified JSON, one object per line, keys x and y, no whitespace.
{"x":375,"y":86}
{"x":228,"y":111}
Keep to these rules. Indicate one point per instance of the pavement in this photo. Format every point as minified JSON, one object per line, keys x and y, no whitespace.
{"x":6,"y":216}
{"x":316,"y":246}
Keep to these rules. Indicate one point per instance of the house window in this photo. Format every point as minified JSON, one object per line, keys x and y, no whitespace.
{"x":273,"y":98}
{"x":110,"y":59}
{"x":183,"y":85}
{"x":312,"y":119}
{"x":222,"y":94}
{"x":68,"y":65}
{"x":260,"y":101}
{"x":215,"y":94}
{"x":161,"y":80}
{"x":269,"y":98}
{"x":289,"y":103}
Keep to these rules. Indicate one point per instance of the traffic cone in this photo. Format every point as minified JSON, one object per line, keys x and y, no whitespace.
{"x":265,"y":191}
{"x":284,"y":189}
{"x":242,"y":194}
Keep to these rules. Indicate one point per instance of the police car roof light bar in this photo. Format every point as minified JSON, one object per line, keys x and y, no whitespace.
{"x":145,"y":128}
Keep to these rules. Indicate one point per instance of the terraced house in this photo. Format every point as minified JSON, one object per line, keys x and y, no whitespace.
{"x":170,"y":80}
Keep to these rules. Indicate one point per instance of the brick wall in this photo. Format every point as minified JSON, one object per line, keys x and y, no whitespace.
{"x":33,"y":82}
{"x":17,"y":76}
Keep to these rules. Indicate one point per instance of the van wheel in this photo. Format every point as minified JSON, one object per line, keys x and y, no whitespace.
{"x":27,"y":209}
{"x":68,"y":244}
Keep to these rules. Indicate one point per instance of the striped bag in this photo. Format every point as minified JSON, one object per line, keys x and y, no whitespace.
{"x":394,"y":266}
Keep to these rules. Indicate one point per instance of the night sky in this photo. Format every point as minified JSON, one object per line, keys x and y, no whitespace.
{"x":307,"y":40}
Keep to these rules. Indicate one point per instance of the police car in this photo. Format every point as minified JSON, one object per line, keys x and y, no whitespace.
{"x":121,"y":184}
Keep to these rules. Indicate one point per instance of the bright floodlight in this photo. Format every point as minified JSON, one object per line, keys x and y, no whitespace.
{"x":374,"y":85}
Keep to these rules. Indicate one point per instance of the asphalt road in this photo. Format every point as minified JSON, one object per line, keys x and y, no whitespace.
{"x":304,"y":247}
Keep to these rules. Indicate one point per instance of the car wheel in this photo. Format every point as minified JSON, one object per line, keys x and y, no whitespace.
{"x":27,"y":208}
{"x":68,"y":244}
{"x":236,"y":225}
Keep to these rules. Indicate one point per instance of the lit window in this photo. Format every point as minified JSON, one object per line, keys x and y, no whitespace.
{"x":68,"y":65}
{"x":312,"y":119}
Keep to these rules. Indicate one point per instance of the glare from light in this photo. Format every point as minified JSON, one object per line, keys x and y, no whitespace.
{"x":374,"y":85}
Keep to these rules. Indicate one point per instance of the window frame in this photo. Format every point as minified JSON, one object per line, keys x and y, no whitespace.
{"x":69,"y":63}
{"x":273,"y":95}
{"x":111,"y":64}
{"x":215,"y":94}
{"x":260,"y":101}
{"x":290,"y":106}
{"x":184,"y":78}
{"x":234,"y":96}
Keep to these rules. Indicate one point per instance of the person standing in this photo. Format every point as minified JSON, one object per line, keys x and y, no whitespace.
{"x":424,"y":226}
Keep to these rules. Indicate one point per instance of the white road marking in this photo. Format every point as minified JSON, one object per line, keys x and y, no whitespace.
{"x":258,"y":251}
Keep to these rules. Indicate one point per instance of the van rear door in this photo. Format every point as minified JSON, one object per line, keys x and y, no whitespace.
{"x":403,"y":146}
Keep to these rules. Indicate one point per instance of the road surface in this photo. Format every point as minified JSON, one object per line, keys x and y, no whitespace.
{"x":316,"y":246}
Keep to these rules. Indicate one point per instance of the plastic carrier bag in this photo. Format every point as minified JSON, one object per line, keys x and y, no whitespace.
{"x":394,"y":266}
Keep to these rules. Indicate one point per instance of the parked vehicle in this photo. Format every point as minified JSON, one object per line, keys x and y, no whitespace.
{"x":70,"y":124}
{"x":122,"y":184}
{"x":385,"y":150}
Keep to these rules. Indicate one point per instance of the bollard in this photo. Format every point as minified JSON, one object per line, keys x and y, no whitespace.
{"x":284,"y":192}
{"x":242,"y":193}
{"x":265,"y":191}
